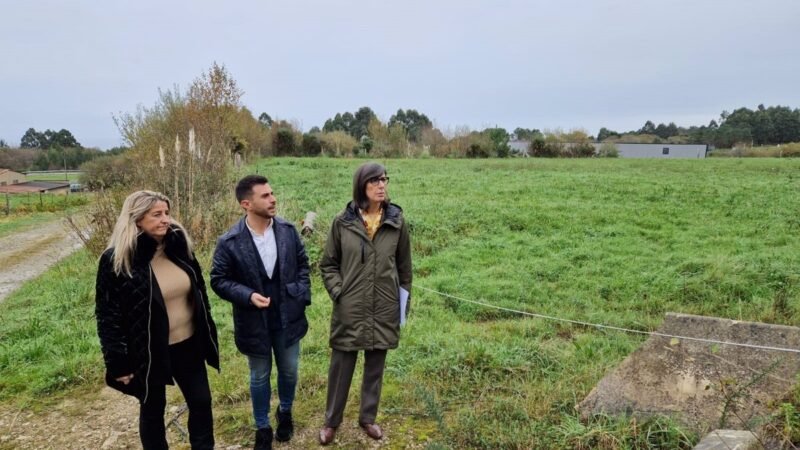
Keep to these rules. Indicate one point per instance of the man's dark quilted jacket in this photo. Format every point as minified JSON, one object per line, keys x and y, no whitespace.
{"x":235,"y":275}
{"x":132,"y":320}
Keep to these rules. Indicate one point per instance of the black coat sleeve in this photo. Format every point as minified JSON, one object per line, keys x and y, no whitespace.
{"x":111,"y":327}
{"x":223,"y":281}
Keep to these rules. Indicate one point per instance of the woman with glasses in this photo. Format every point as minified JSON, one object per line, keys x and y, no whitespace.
{"x":365,"y":267}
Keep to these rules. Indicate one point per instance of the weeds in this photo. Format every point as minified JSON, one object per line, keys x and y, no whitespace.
{"x":608,"y":433}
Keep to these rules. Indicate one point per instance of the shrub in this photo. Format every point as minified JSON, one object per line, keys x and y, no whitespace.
{"x":338,"y":143}
{"x":582,"y":150}
{"x":476,"y":150}
{"x":608,"y":150}
{"x":553,"y":149}
{"x":106,"y":172}
{"x":184,"y":146}
{"x":538,"y":148}
{"x":94,"y":227}
{"x":790,"y":150}
{"x":284,"y":143}
{"x":311,"y":145}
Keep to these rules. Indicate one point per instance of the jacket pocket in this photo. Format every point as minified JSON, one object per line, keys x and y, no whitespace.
{"x":299,"y":292}
{"x":135,"y":387}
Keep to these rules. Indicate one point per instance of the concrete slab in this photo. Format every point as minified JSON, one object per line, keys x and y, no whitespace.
{"x":728,"y":440}
{"x":704,"y":386}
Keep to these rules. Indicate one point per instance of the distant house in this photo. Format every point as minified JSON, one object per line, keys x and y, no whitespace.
{"x":8,"y":176}
{"x":519,"y":147}
{"x":29,"y":187}
{"x":659,"y":150}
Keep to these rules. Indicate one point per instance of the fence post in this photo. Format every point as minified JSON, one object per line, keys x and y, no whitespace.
{"x":8,"y":205}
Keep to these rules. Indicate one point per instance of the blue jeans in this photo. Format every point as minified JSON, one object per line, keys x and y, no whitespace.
{"x":286,"y":359}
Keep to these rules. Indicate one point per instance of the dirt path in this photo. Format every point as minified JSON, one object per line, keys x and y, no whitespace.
{"x":26,"y":254}
{"x":109,"y":420}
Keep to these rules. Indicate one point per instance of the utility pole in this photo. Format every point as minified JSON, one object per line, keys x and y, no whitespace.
{"x":66,"y":178}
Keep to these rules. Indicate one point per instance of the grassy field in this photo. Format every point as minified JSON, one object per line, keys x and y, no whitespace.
{"x":14,"y":223}
{"x":45,"y":202}
{"x":72,"y":177}
{"x":618,"y":242}
{"x":28,"y":210}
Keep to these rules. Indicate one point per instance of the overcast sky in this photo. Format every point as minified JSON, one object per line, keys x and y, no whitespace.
{"x":476,"y":63}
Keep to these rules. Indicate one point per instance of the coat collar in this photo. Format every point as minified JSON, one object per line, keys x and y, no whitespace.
{"x":392,"y":215}
{"x":241,"y":226}
{"x":175,"y":245}
{"x":243,"y":240}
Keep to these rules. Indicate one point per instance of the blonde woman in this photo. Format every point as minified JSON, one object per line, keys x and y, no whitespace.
{"x":154,"y":318}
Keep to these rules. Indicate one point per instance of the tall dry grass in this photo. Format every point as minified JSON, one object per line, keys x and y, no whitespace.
{"x":185,"y":146}
{"x":790,"y":150}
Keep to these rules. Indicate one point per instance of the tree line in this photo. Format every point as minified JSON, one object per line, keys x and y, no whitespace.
{"x":407,"y":133}
{"x":47,"y":150}
{"x":411,"y":133}
{"x":773,"y":125}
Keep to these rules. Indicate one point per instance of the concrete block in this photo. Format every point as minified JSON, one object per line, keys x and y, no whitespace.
{"x":728,"y":440}
{"x":704,"y":386}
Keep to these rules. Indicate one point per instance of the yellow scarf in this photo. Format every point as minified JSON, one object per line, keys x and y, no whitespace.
{"x":371,"y":222}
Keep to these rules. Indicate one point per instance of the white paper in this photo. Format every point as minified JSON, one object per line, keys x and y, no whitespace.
{"x":403,"y":294}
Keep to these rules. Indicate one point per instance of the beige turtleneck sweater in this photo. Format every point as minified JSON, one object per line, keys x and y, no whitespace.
{"x":175,"y":287}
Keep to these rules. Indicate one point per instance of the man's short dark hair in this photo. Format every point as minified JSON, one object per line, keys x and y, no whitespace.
{"x":244,"y":188}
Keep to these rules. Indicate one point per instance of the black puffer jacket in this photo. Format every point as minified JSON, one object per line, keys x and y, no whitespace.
{"x":132,"y":320}
{"x":235,"y":276}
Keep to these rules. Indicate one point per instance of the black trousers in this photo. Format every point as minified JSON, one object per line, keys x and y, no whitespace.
{"x":340,"y":375}
{"x":189,"y":372}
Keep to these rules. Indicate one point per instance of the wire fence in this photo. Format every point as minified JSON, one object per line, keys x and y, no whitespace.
{"x":25,"y":203}
{"x":610,"y":327}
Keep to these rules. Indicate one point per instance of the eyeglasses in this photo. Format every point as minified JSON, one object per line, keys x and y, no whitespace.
{"x":376,"y":180}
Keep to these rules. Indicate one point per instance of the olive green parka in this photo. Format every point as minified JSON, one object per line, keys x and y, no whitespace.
{"x":363,"y":278}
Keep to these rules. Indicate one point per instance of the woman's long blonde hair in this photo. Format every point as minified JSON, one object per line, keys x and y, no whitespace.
{"x":124,"y":237}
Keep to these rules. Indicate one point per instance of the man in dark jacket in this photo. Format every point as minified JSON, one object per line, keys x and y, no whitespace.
{"x":260,"y":266}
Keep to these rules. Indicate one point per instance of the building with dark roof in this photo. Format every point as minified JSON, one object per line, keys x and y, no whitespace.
{"x":8,"y":176}
{"x":28,"y":187}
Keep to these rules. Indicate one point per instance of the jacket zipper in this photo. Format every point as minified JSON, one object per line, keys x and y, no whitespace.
{"x":149,"y":350}
{"x":197,"y":282}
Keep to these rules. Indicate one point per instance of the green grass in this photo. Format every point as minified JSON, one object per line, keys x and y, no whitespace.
{"x":48,"y":344}
{"x":29,"y":210}
{"x":15,"y":223}
{"x":20,"y":204}
{"x":55,"y":176}
{"x":618,"y":242}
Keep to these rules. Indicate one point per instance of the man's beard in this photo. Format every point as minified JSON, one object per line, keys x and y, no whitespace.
{"x":265,"y":214}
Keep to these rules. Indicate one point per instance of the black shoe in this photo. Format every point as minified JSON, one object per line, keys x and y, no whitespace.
{"x":263,"y":439}
{"x":285,"y":425}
